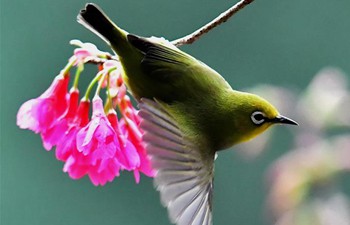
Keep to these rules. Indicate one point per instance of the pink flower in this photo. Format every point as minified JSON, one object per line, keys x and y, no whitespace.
{"x":104,"y":171}
{"x":98,"y":138}
{"x":39,"y":114}
{"x":102,"y":146}
{"x":78,"y":165}
{"x":114,"y":76}
{"x":68,"y":145}
{"x":86,"y":51}
{"x":100,"y":170}
{"x":57,"y":132}
{"x":127,"y":108}
{"x":129,"y":156}
{"x":96,"y":151}
{"x":130,"y":128}
{"x":133,"y":133}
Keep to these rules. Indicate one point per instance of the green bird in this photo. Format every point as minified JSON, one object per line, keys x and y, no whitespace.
{"x":188,"y":111}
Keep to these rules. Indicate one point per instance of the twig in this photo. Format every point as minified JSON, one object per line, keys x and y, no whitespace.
{"x":223,"y":17}
{"x":100,"y":60}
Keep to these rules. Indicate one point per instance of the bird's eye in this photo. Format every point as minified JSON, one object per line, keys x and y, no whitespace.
{"x":258,"y":117}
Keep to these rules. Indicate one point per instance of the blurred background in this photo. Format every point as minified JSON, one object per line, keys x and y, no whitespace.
{"x":294,"y":53}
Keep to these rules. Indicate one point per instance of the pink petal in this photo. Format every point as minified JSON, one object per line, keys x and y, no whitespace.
{"x":86,"y":133}
{"x":131,"y":155}
{"x":68,"y":164}
{"x":39,"y":114}
{"x":137,"y":176}
{"x":58,"y":92}
{"x":82,"y":115}
{"x":98,"y":138}
{"x":77,"y":165}
{"x":26,"y":119}
{"x":57,"y":131}
{"x":104,"y":171}
{"x":145,"y":166}
{"x":65,"y":148}
{"x":73,"y":104}
{"x":97,"y":107}
{"x":81,"y":54}
{"x":134,"y":129}
{"x":110,"y":64}
{"x":54,"y":135}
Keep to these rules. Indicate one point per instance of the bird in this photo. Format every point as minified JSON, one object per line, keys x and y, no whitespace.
{"x":188,"y":113}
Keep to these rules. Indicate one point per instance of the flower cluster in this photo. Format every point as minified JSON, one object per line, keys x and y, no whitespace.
{"x":100,"y":146}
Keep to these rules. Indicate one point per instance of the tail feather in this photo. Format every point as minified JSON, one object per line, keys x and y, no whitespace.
{"x":93,"y":18}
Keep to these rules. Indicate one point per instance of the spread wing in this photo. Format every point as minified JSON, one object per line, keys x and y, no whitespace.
{"x":184,"y":177}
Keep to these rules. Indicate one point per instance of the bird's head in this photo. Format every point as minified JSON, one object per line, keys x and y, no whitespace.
{"x":255,"y":115}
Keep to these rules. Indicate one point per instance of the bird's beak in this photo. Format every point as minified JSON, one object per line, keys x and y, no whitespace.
{"x":284,"y":120}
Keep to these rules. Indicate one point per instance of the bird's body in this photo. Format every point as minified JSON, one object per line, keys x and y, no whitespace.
{"x":189,"y":112}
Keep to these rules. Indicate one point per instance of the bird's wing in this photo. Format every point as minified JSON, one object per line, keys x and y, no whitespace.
{"x":183,"y":176}
{"x":167,"y":63}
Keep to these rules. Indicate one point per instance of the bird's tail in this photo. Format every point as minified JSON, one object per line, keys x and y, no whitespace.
{"x":93,"y":18}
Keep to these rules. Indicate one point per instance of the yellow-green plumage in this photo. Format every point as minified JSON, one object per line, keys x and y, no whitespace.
{"x":189,"y":112}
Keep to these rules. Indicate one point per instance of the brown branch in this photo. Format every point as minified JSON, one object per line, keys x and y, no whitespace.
{"x":223,"y":17}
{"x":98,"y":60}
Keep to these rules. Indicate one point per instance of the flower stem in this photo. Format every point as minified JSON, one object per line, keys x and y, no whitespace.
{"x":105,"y":74}
{"x":109,"y":104}
{"x":80,"y":69}
{"x":91,"y":85}
{"x":69,"y":66}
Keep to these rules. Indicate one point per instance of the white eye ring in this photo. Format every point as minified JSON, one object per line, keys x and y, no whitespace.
{"x":258,"y":117}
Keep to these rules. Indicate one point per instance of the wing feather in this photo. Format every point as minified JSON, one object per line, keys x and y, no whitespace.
{"x":184,"y":176}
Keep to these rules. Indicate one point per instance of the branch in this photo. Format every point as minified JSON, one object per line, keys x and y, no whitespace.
{"x":100,"y":60}
{"x":223,"y":17}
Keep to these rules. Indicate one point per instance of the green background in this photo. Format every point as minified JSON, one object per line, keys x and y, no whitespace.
{"x":278,"y":42}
